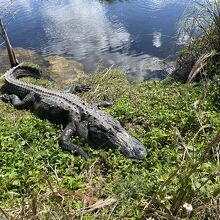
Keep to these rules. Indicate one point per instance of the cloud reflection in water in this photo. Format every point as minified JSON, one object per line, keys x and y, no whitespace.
{"x":93,"y":32}
{"x":81,"y":30}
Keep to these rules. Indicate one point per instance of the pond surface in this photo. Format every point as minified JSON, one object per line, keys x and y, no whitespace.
{"x":135,"y":34}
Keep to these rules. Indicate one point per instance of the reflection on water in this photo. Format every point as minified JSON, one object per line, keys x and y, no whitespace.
{"x":136,"y":34}
{"x":85,"y":24}
{"x":157,"y":42}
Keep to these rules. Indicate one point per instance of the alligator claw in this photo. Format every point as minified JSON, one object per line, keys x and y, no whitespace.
{"x":6,"y":98}
{"x":81,"y":153}
{"x":82,"y":88}
{"x":77,"y":88}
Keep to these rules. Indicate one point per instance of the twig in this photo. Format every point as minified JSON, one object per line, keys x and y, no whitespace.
{"x":12,"y":58}
{"x":200,"y":129}
{"x":34,"y":205}
{"x":113,"y":209}
{"x":1,"y":77}
{"x":4,"y":213}
{"x":2,"y":43}
{"x":109,"y":69}
{"x":55,"y":172}
{"x":83,"y":210}
{"x":199,"y":65}
{"x":186,"y":151}
{"x":102,"y":203}
{"x":48,"y":181}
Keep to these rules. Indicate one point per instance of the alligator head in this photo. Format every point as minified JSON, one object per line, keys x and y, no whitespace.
{"x":109,"y":133}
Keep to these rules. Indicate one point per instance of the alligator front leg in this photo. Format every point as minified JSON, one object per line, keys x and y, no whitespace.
{"x":68,"y":132}
{"x":77,"y":88}
{"x":26,"y":102}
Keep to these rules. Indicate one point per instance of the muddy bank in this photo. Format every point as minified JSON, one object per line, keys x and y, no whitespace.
{"x":59,"y":68}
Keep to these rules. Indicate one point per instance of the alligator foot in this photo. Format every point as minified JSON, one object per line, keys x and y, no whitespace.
{"x":64,"y":142}
{"x":78,"y":88}
{"x":28,"y":100}
{"x":6,"y":98}
{"x":103,"y":104}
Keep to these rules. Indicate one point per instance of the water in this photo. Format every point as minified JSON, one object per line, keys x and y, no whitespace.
{"x":135,"y":34}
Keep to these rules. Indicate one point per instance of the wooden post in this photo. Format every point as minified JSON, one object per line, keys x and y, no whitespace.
{"x":12,"y":58}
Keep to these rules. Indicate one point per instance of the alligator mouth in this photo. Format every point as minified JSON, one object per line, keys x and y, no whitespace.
{"x":117,"y":137}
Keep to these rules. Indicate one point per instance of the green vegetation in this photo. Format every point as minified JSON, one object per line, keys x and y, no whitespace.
{"x":178,"y":123}
{"x":175,"y":122}
{"x":202,"y":25}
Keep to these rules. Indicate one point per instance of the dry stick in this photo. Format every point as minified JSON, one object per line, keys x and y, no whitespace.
{"x":113,"y":209}
{"x":199,"y":65}
{"x":218,"y":154}
{"x":102,"y":203}
{"x":12,"y":58}
{"x":34,"y":205}
{"x":22,"y":207}
{"x":109,"y":69}
{"x":183,"y":144}
{"x":83,"y":210}
{"x":200,"y":129}
{"x":55,"y":173}
{"x":2,"y":43}
{"x":4,"y":213}
{"x":47,"y":180}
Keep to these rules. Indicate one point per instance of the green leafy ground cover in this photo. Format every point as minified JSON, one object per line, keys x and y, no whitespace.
{"x":174,"y":121}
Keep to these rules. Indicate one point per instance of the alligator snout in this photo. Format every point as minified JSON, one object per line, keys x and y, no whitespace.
{"x":130,"y":146}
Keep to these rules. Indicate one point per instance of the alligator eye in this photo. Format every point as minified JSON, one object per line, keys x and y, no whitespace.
{"x":117,"y":128}
{"x":102,"y":128}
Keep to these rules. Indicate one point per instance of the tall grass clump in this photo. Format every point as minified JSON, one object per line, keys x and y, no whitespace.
{"x":203,"y":23}
{"x":202,"y":26}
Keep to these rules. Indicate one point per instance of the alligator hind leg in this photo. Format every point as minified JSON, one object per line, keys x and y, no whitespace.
{"x":26,"y":102}
{"x":68,"y":132}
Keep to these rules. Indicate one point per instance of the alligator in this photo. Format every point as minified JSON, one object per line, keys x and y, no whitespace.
{"x":78,"y":117}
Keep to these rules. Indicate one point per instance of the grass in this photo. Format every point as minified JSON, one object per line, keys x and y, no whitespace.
{"x":202,"y":25}
{"x":177,"y":123}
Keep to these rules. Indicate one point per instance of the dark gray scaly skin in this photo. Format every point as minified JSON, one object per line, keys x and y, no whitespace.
{"x":79,"y":118}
